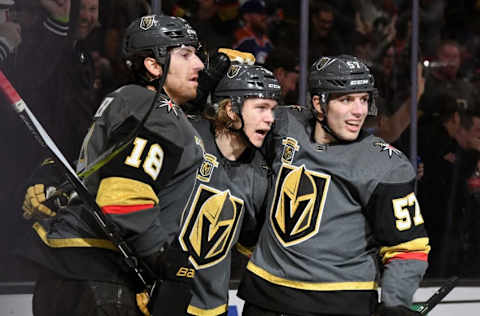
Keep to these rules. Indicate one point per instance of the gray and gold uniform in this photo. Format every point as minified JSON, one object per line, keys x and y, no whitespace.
{"x":144,"y":189}
{"x":226,"y":205}
{"x":335,"y":213}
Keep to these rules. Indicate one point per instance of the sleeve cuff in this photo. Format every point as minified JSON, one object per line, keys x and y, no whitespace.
{"x":56,"y":27}
{"x":3,"y":50}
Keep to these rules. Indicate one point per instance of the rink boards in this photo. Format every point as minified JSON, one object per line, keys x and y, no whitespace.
{"x":464,"y":300}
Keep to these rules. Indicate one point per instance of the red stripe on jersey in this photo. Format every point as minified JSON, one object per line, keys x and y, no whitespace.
{"x":124,"y":209}
{"x":422,"y":256}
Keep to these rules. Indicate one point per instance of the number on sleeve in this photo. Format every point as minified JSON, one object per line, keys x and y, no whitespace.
{"x":402,"y":213}
{"x":152,"y":163}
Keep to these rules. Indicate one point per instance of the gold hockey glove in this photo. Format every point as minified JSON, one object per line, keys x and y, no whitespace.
{"x":37,"y":204}
{"x":142,"y":302}
{"x":238,"y":56}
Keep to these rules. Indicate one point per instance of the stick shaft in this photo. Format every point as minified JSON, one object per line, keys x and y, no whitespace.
{"x":34,"y":126}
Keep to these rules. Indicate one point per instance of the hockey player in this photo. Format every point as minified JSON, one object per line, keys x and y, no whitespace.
{"x":143,"y":189}
{"x":342,"y":200}
{"x":228,"y":200}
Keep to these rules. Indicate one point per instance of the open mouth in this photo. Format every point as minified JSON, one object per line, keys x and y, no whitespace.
{"x":262,"y":132}
{"x":353,"y":124}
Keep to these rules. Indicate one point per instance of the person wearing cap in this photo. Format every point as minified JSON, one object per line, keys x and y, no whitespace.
{"x":252,"y":37}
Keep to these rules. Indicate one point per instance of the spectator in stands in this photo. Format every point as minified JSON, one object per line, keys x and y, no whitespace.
{"x":60,"y":81}
{"x":284,"y":65}
{"x":55,"y":76}
{"x":437,"y":147}
{"x":324,"y":39}
{"x":252,"y":36}
{"x":10,"y":32}
{"x":451,"y":161}
{"x":394,"y":118}
{"x":443,"y":78}
{"x":431,"y":18}
{"x":10,"y":37}
{"x":213,"y":29}
{"x":118,"y":14}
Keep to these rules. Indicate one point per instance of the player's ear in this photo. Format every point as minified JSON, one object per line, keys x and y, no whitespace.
{"x":231,"y":114}
{"x":316,"y":105}
{"x":153,"y":67}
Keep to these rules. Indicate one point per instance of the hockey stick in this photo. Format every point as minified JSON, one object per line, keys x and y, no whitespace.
{"x":446,"y":288}
{"x":108,"y":227}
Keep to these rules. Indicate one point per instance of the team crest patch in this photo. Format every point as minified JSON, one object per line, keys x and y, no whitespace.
{"x":169,"y":104}
{"x":206,"y":169}
{"x":147,"y":22}
{"x":233,"y":71}
{"x":290,"y":146}
{"x":388,"y":148}
{"x":323,"y":62}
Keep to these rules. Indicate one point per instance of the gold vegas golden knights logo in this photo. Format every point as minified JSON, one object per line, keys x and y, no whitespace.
{"x":146,"y":22}
{"x":233,"y":71}
{"x":211,"y":225}
{"x":290,"y":146}
{"x":206,"y":169}
{"x":298,"y":204}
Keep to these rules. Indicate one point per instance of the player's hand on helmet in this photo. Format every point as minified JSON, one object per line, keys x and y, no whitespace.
{"x":398,"y":310}
{"x":238,"y":56}
{"x":41,"y":201}
{"x":208,"y":79}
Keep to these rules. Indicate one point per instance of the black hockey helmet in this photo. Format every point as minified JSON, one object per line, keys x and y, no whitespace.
{"x":157,"y":33}
{"x":244,"y":81}
{"x":342,"y":74}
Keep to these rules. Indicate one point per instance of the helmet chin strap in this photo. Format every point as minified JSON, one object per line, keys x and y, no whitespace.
{"x":241,"y":130}
{"x":242,"y":133}
{"x":327,"y":129}
{"x":324,"y":122}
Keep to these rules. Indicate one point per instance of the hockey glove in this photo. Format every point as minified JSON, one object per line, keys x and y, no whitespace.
{"x":238,"y":56}
{"x":38,"y":202}
{"x":207,"y":82}
{"x":383,"y":310}
{"x":176,"y":273}
{"x":142,"y":303}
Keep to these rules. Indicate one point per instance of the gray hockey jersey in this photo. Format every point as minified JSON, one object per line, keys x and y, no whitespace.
{"x":227,"y":203}
{"x":335,"y":213}
{"x":145,"y":187}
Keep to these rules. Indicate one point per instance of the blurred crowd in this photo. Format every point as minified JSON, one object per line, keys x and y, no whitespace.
{"x":63,"y":56}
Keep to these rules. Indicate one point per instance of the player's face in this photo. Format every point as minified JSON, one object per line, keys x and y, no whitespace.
{"x":450,"y":55}
{"x":258,"y":116}
{"x":182,"y":79}
{"x":87,"y":19}
{"x":346,"y":114}
{"x":473,"y":135}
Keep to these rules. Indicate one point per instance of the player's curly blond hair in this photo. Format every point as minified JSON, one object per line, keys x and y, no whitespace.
{"x":220,"y":119}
